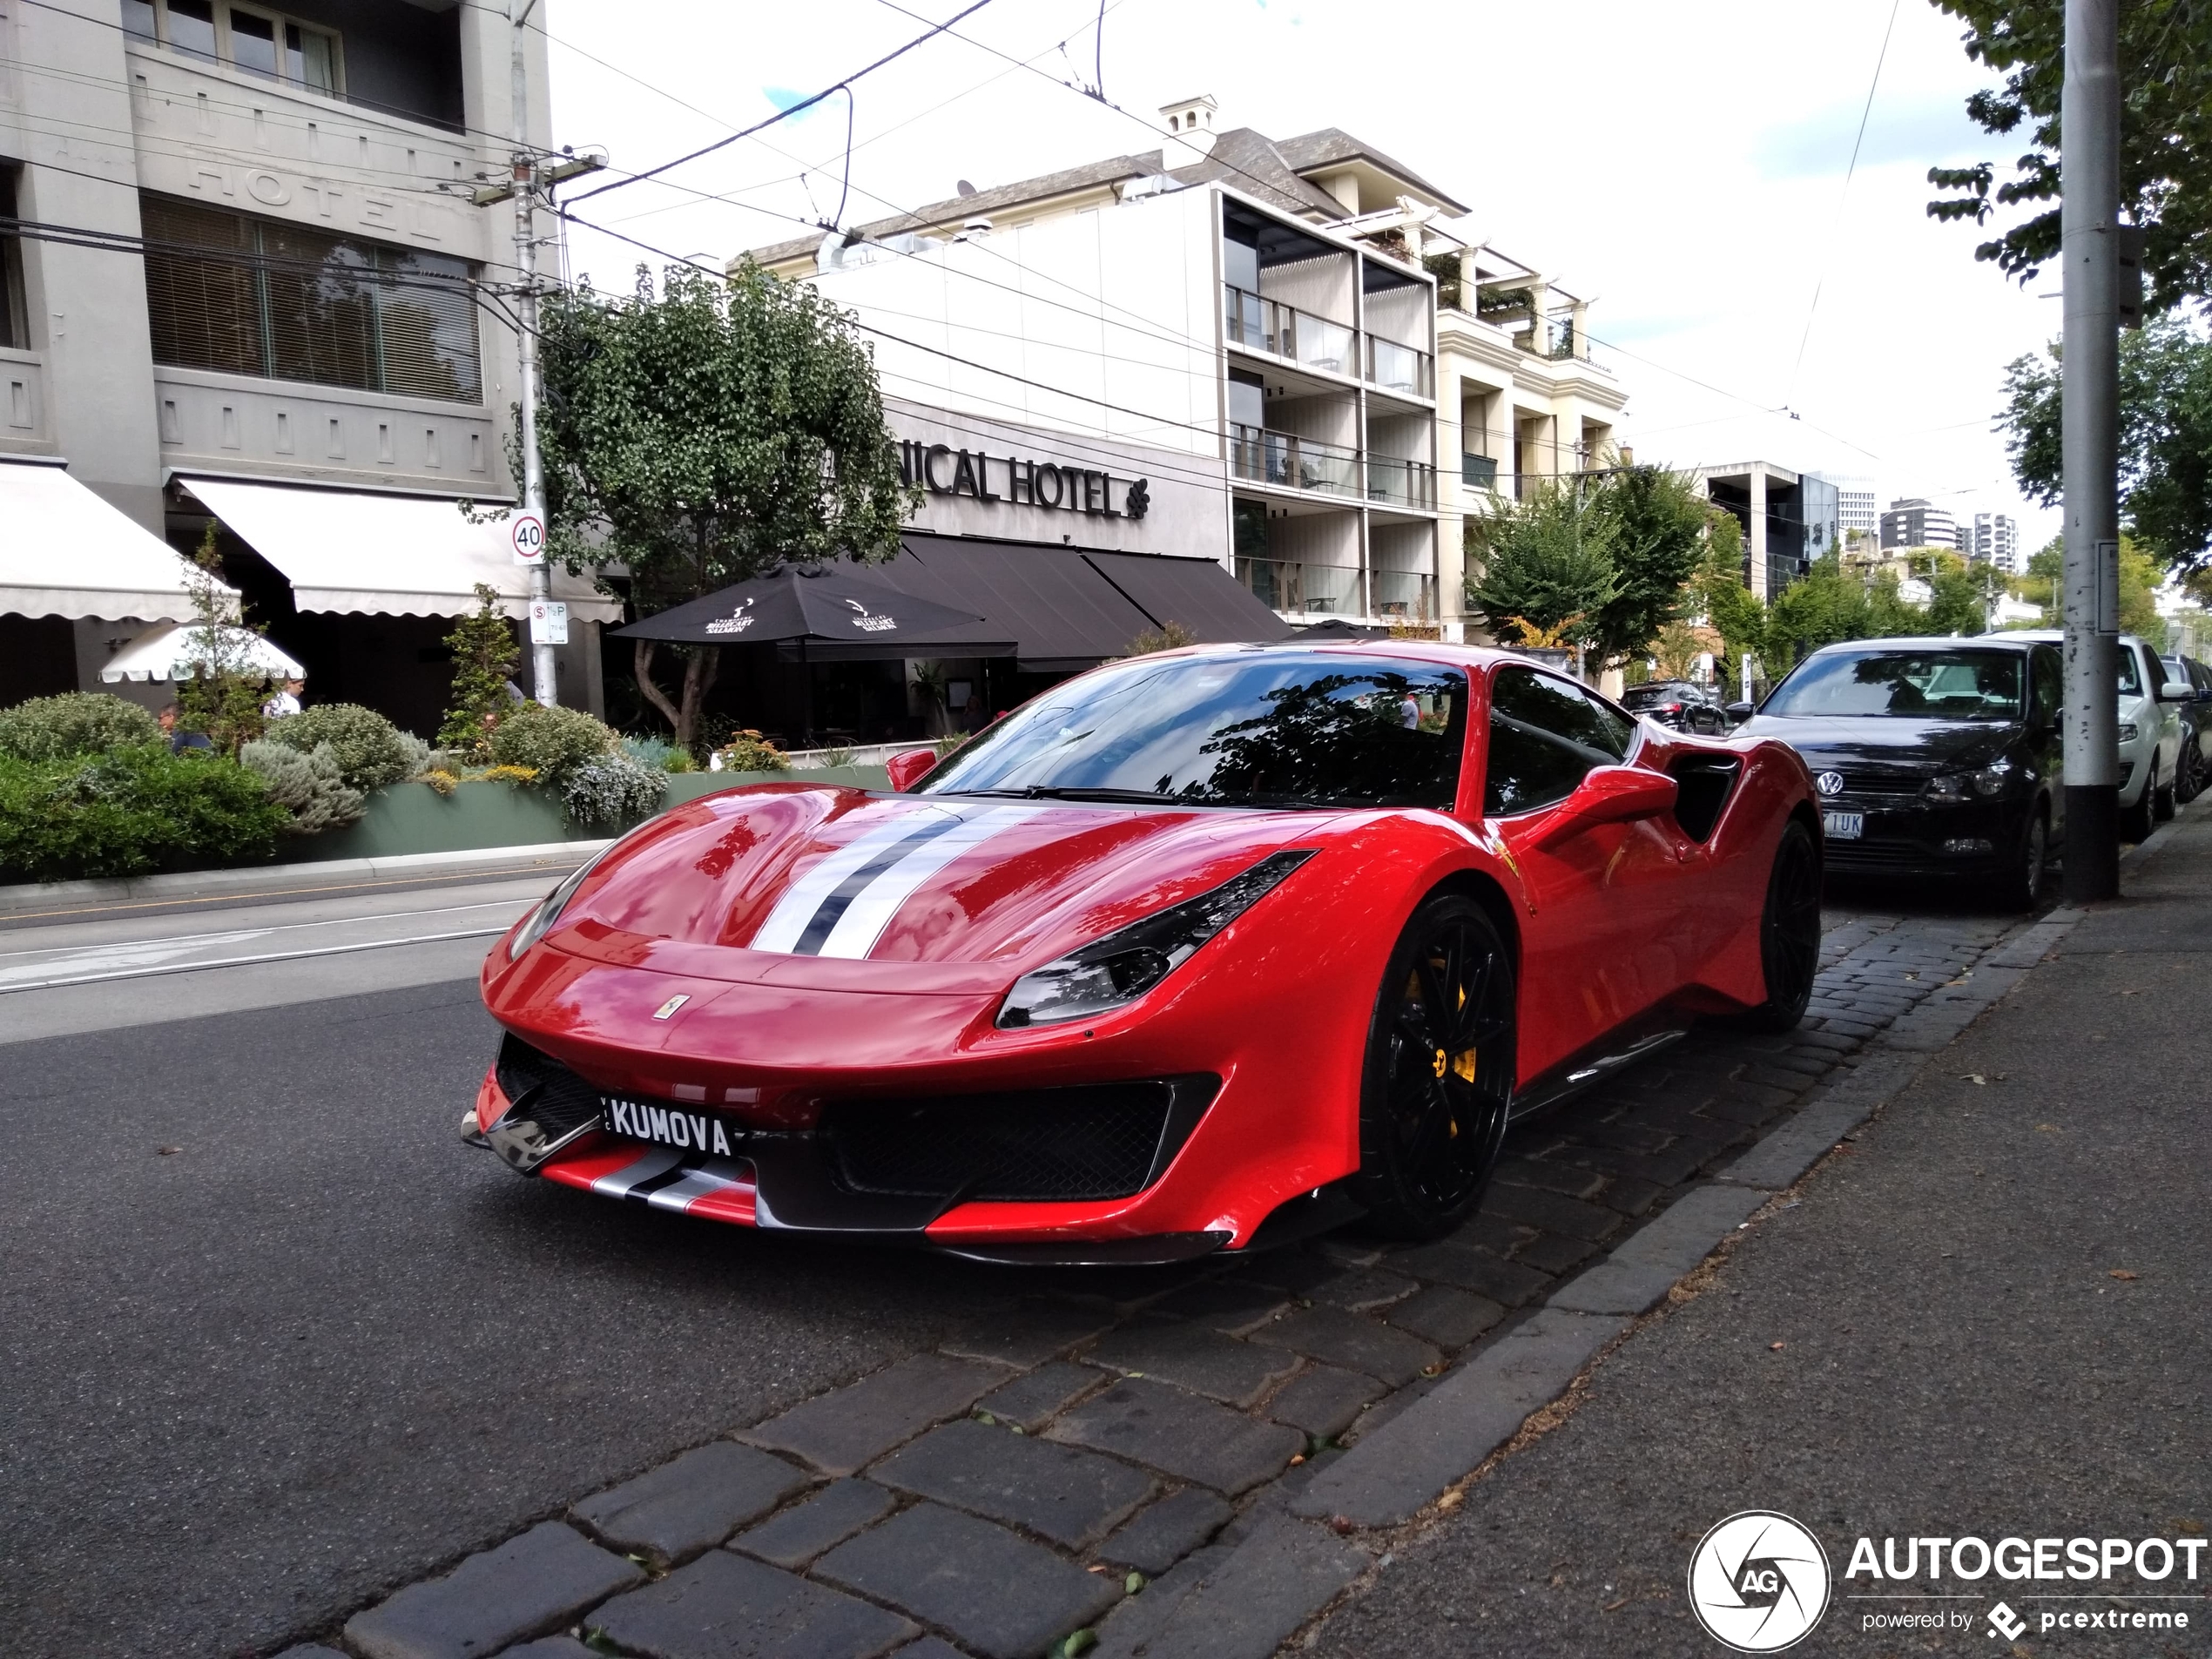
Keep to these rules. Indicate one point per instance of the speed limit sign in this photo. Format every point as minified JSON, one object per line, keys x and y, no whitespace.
{"x":526,"y":533}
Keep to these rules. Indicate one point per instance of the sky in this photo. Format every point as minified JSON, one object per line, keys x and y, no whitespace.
{"x":1683,"y":166}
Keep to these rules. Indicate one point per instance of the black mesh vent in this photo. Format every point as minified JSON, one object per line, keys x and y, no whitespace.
{"x":1097,"y":1142}
{"x":547,"y":1092}
{"x":1703,"y":784}
{"x":1845,"y":857}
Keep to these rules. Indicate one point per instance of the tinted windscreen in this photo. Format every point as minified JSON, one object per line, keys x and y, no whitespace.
{"x":1917,"y":684}
{"x":1255,"y":729}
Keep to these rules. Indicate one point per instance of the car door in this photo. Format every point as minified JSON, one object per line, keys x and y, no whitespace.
{"x":1606,"y":940}
{"x":2045,"y":737}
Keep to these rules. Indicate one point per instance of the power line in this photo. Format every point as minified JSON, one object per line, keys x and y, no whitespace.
{"x":785,"y":113}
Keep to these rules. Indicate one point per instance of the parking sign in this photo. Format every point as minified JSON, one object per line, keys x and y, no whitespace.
{"x":549,"y":621}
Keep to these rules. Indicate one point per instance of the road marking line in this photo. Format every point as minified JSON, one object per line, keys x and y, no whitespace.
{"x":248,"y":962}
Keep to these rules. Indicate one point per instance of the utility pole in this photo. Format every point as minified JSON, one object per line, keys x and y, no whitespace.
{"x":2089,"y":204}
{"x":526,"y":186}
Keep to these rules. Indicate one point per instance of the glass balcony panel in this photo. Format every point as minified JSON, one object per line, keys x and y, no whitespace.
{"x":1404,"y":596}
{"x":1293,"y":463}
{"x":1398,"y":368}
{"x":1284,"y":331}
{"x":1323,"y":344}
{"x":1302,"y":590}
{"x":1479,"y":472}
{"x":1401,"y":484}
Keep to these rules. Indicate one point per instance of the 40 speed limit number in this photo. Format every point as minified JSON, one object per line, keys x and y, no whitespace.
{"x":526,"y":535}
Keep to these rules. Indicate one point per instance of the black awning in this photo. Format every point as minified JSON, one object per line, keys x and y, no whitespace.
{"x":823,"y":614}
{"x":1216,"y":608}
{"x":1059,"y":610}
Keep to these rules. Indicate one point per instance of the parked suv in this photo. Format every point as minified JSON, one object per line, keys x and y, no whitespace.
{"x":2150,"y":731}
{"x":1932,"y":756}
{"x":1684,"y":705}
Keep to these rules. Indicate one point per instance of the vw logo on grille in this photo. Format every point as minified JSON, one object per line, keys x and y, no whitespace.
{"x":1830,"y":783}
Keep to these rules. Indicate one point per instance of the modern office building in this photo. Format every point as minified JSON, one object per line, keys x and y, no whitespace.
{"x":1997,"y":542}
{"x":1857,"y":506}
{"x":1913,"y":521}
{"x":245,"y":289}
{"x":1287,"y":328}
{"x":1788,"y":519}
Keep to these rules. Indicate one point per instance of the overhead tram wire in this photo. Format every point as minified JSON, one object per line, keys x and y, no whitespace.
{"x":785,"y":113}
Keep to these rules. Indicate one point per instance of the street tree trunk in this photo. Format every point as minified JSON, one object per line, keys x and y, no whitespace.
{"x":701,"y":665}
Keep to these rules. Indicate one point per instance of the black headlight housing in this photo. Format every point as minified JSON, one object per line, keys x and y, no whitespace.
{"x":1110,"y":972}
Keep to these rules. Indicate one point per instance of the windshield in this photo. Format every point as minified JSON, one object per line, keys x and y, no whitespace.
{"x":1916,"y":684}
{"x":1254,"y":728}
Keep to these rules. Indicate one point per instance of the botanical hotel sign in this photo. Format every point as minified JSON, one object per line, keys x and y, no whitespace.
{"x":1022,"y":482}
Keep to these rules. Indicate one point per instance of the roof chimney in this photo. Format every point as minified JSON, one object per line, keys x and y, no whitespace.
{"x":1191,"y":121}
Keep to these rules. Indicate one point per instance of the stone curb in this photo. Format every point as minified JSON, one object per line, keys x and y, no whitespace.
{"x":1637,"y":1277}
{"x":291,"y":878}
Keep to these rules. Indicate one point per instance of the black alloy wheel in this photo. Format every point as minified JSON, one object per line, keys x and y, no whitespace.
{"x":2135,"y":821}
{"x":1789,"y":931}
{"x":2022,"y":889}
{"x":2188,"y":770}
{"x":1437,"y":1085}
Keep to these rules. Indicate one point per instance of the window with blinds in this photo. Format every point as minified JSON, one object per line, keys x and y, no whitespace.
{"x":251,"y":296}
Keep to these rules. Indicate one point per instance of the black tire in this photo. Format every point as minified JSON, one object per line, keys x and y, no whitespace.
{"x":2023,"y":888}
{"x":2135,"y":821}
{"x":1436,"y":1086}
{"x":1789,"y":932}
{"x":2162,"y":804}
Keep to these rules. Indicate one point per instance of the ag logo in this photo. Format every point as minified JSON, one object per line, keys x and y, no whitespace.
{"x":1758,"y":1581}
{"x":1830,"y":783}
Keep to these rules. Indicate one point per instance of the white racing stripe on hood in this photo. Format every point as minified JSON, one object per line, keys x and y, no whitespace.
{"x":871,"y":912}
{"x":800,"y":902}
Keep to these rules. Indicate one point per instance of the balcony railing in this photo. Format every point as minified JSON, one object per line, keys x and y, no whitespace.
{"x":1400,"y":369}
{"x":1317,"y":589}
{"x":1284,"y":331}
{"x":1404,"y":596}
{"x":1291,"y":463}
{"x":1401,"y":484}
{"x":1479,"y":472}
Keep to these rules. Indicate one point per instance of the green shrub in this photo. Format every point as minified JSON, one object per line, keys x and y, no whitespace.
{"x":660,"y":754}
{"x":130,"y":811}
{"x":551,"y":742}
{"x":77,"y":723}
{"x":747,"y":751}
{"x":312,"y":786}
{"x":613,"y":788}
{"x":371,"y":750}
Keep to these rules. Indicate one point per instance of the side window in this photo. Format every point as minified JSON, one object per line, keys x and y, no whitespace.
{"x":1545,"y":738}
{"x":2046,"y":679}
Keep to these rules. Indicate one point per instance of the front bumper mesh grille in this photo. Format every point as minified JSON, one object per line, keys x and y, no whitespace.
{"x":544,"y":1089}
{"x":1096,"y":1142}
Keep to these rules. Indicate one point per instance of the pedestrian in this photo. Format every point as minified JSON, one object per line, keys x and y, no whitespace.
{"x":180,"y":738}
{"x":287,"y":701}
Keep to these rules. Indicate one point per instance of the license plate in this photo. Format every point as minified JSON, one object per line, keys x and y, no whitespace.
{"x":1844,"y":826}
{"x":666,"y":1125}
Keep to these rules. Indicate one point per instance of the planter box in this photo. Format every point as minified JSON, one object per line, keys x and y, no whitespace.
{"x":414,"y":818}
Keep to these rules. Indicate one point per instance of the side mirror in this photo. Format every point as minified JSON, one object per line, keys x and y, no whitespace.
{"x":1738,"y":712}
{"x":909,"y":766}
{"x":1609,"y":795}
{"x":2177,"y":691}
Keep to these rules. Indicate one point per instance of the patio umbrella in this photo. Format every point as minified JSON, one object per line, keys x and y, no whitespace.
{"x":820,"y":614}
{"x":169,"y":653}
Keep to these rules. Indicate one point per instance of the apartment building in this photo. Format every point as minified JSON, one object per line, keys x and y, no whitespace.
{"x":1996,"y":541}
{"x":1912,"y":521}
{"x":247,"y":286}
{"x":1286,"y":331}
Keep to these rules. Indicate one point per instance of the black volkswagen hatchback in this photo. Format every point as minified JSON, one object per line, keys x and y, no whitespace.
{"x":1932,"y":756}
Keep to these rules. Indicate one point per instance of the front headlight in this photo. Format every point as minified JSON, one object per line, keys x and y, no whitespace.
{"x":1960,"y":785}
{"x":1124,"y":965}
{"x":2128,"y":732}
{"x":541,"y":920}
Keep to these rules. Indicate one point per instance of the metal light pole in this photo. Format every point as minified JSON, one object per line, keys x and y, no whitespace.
{"x":526,"y":187}
{"x":2089,"y":179}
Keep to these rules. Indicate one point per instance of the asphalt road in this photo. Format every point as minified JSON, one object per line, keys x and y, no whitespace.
{"x":320,"y":1348}
{"x":1987,"y":1320}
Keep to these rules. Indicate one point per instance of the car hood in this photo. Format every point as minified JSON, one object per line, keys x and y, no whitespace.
{"x":1920,"y":745}
{"x":792,"y":884}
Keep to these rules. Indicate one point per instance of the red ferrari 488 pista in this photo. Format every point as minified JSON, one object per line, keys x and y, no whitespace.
{"x":1196,"y":951}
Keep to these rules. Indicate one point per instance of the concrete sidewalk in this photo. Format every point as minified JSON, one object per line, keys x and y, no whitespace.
{"x":1983,"y":1317}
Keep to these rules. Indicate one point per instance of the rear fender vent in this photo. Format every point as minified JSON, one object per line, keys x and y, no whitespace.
{"x":1703,"y":783}
{"x":1043,"y":1145}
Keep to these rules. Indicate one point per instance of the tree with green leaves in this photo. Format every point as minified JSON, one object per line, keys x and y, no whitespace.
{"x":224,"y":695}
{"x":2165,"y":437}
{"x":1658,"y":520}
{"x":2165,"y":135}
{"x":1829,"y":606}
{"x":707,"y":433}
{"x":1730,"y":609}
{"x":1545,"y":562}
{"x":485,"y":656}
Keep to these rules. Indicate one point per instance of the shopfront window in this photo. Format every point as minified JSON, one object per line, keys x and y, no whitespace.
{"x":253,"y":297}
